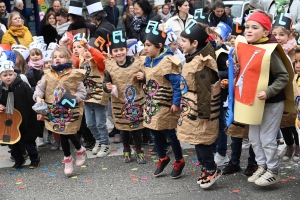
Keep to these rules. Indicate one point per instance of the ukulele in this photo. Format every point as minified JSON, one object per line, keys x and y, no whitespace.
{"x":10,"y":121}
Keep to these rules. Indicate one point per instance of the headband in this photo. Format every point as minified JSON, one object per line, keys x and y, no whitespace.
{"x":261,"y":19}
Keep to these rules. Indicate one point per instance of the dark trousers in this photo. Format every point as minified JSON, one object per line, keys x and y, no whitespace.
{"x":288,"y":133}
{"x":136,"y":135}
{"x":64,"y":140}
{"x":205,"y":156}
{"x":29,"y":146}
{"x":146,"y":135}
{"x":220,"y":145}
{"x":236,"y":151}
{"x":41,"y":125}
{"x":160,"y":143}
{"x":84,"y":131}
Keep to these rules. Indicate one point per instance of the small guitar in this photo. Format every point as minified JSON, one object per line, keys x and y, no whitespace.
{"x":10,"y":122}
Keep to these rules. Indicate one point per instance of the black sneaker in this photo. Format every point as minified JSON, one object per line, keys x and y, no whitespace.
{"x":35,"y":163}
{"x":210,"y":178}
{"x":18,"y":165}
{"x":161,"y":164}
{"x":90,"y":145}
{"x":230,"y":169}
{"x":113,"y":132}
{"x":177,"y":169}
{"x":251,"y":168}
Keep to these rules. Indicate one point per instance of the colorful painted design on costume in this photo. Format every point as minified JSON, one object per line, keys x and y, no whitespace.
{"x":297,"y":100}
{"x":130,"y":111}
{"x":185,"y":110}
{"x":58,"y":114}
{"x":185,"y":87}
{"x":151,"y":108}
{"x":90,"y":85}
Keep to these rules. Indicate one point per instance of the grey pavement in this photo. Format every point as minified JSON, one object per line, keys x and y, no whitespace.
{"x":110,"y":178}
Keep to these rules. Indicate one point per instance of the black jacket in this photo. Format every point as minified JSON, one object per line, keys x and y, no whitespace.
{"x":49,"y":33}
{"x":127,"y":25}
{"x":82,"y":24}
{"x":102,"y":30}
{"x":43,"y":22}
{"x":21,"y":15}
{"x":112,"y":15}
{"x":140,"y":35}
{"x":23,"y":102}
{"x":33,"y":76}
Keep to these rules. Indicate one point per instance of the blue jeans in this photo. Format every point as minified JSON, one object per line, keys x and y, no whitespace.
{"x":236,"y":151}
{"x":220,"y":145}
{"x":29,"y":146}
{"x":205,"y":156}
{"x":159,"y":144}
{"x":95,"y":116}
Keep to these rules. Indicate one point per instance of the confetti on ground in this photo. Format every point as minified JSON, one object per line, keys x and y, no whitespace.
{"x":288,"y":167}
{"x":147,"y":155}
{"x":292,"y":177}
{"x":190,"y":152}
{"x":134,"y":169}
{"x":283,"y":173}
{"x":52,"y":175}
{"x":185,"y":155}
{"x":19,"y":180}
{"x":45,"y":169}
{"x":132,"y":175}
{"x":104,"y":168}
{"x":144,"y":178}
{"x":228,"y":151}
{"x":73,"y":177}
{"x":155,"y":160}
{"x":1,"y":183}
{"x":12,"y":173}
{"x":135,"y":179}
{"x":149,"y":150}
{"x":283,"y":180}
{"x":86,"y":181}
{"x":114,"y":150}
{"x":83,"y":166}
{"x":235,"y":191}
{"x":2,"y":155}
{"x":56,"y":164}
{"x":153,"y":156}
{"x":19,"y":183}
{"x":193,"y":172}
{"x":20,"y":170}
{"x":22,"y":187}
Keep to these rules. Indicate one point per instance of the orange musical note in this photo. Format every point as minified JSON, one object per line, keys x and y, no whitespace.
{"x":99,"y":42}
{"x":237,"y":30}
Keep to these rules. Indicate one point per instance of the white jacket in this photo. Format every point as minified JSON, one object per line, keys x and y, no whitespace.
{"x":177,"y":25}
{"x":294,"y":10}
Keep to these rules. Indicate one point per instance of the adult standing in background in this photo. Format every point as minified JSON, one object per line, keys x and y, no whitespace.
{"x":3,"y":14}
{"x":112,"y":12}
{"x":127,"y":19}
{"x":228,"y":12}
{"x":218,"y":15}
{"x":49,"y":30}
{"x":181,"y":17}
{"x":165,"y":13}
{"x":56,"y":6}
{"x":62,"y":22}
{"x":169,"y":3}
{"x":19,"y":6}
{"x":129,"y":3}
{"x":277,"y":7}
{"x":192,"y":7}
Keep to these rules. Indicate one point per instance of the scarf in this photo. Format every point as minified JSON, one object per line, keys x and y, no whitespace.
{"x":261,"y":40}
{"x":138,"y":21}
{"x":61,"y":67}
{"x":61,"y":29}
{"x":18,"y":31}
{"x":291,"y":44}
{"x":164,"y":17}
{"x":38,"y":65}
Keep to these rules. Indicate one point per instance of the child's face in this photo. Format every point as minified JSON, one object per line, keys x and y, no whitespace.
{"x":232,"y":40}
{"x":281,"y":36}
{"x":219,"y":40}
{"x":34,"y":57}
{"x":58,"y":58}
{"x":297,"y":63}
{"x":47,"y":64}
{"x":87,"y":55}
{"x":7,"y":77}
{"x":174,"y":45}
{"x":150,"y":50}
{"x":254,"y":31}
{"x":119,"y":54}
{"x":186,"y":46}
{"x":78,"y":49}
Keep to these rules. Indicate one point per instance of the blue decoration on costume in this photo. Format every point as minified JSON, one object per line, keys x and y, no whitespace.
{"x":223,"y":29}
{"x":188,"y":29}
{"x":118,"y":33}
{"x":154,"y":26}
{"x":185,"y":87}
{"x":10,"y":56}
{"x":230,"y":110}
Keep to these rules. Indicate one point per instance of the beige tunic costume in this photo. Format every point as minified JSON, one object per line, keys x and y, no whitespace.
{"x":296,"y":87}
{"x":59,"y":119}
{"x":157,"y":109}
{"x":93,"y":80}
{"x":127,"y":109}
{"x":196,"y":130}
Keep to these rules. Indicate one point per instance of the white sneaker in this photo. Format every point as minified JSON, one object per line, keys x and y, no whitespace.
{"x":221,"y":160}
{"x":96,"y":148}
{"x":268,"y":178}
{"x":40,"y":142}
{"x":69,"y":162}
{"x":257,"y":174}
{"x":104,"y":150}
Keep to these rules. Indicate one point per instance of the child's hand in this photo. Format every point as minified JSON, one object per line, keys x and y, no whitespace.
{"x":224,"y":83}
{"x":65,"y":42}
{"x":40,"y":117}
{"x":85,"y":44}
{"x":262,"y":95}
{"x":2,"y":108}
{"x":38,"y":99}
{"x":139,"y":75}
{"x":174,"y":108}
{"x":109,"y":86}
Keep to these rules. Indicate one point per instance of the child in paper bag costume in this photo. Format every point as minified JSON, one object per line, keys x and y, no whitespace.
{"x":261,"y":89}
{"x":64,"y":92}
{"x":161,"y":109}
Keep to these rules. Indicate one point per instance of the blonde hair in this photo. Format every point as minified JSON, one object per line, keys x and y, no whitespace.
{"x":22,"y":65}
{"x":10,"y":16}
{"x":65,"y":53}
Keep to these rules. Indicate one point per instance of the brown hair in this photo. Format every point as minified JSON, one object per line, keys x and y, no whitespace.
{"x":36,"y":51}
{"x":65,"y":52}
{"x":48,"y":16}
{"x":10,"y":16}
{"x":126,"y":14}
{"x":22,"y":65}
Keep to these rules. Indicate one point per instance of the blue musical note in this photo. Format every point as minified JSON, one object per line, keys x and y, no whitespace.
{"x":153,"y":24}
{"x":188,"y":29}
{"x":200,"y":10}
{"x":281,"y":22}
{"x":118,"y":33}
{"x":68,"y":102}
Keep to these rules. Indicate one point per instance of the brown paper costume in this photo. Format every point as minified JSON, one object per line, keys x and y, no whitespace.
{"x":127,"y":109}
{"x":191,"y":128}
{"x":157,"y":108}
{"x":238,"y":130}
{"x":253,"y":79}
{"x":59,"y":119}
{"x":296,"y":87}
{"x":93,"y":80}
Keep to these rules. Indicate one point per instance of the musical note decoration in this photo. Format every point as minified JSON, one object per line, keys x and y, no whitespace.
{"x":151,"y":108}
{"x":237,"y":29}
{"x":196,"y":32}
{"x":154,"y":34}
{"x":199,"y":16}
{"x":118,"y":40}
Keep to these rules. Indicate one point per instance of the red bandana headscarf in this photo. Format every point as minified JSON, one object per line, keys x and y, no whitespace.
{"x":262,"y":19}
